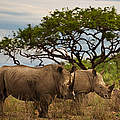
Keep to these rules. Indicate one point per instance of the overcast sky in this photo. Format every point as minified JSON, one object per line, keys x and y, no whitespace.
{"x":16,"y":14}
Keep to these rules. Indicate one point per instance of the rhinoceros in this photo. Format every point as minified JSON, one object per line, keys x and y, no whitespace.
{"x":87,"y":81}
{"x":40,"y":85}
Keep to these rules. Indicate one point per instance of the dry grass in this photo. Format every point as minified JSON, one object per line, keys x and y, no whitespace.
{"x":92,"y":108}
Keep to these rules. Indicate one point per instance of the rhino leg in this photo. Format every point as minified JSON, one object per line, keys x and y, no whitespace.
{"x":79,"y":98}
{"x":42,"y":105}
{"x":43,"y":112}
{"x":1,"y":107}
{"x":2,"y":99}
{"x":78,"y":101}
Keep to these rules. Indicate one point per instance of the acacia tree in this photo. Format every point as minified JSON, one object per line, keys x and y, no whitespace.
{"x":72,"y":35}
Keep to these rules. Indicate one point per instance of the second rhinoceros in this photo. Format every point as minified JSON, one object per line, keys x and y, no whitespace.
{"x":87,"y":81}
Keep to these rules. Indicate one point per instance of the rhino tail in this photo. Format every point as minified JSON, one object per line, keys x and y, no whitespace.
{"x":3,"y":90}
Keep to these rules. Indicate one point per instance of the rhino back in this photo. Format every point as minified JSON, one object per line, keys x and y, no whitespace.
{"x":82,"y":81}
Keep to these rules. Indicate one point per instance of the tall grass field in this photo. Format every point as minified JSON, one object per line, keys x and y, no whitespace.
{"x":92,"y":108}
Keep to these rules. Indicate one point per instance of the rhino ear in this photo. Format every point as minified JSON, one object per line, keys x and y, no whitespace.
{"x":111,"y":87}
{"x":59,"y":69}
{"x":94,"y":72}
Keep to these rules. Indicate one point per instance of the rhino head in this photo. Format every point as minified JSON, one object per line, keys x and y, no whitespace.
{"x":104,"y":91}
{"x":66,"y":87}
{"x":100,"y":88}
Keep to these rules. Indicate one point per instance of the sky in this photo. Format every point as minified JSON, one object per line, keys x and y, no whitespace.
{"x":15,"y":14}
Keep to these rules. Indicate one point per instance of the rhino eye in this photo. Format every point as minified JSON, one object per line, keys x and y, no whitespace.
{"x":63,"y":86}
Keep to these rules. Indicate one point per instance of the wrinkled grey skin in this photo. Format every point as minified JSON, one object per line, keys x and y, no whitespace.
{"x":87,"y":81}
{"x":40,"y":85}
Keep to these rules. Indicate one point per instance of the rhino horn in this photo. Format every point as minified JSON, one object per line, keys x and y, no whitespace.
{"x":111,"y":87}
{"x":72,"y":83}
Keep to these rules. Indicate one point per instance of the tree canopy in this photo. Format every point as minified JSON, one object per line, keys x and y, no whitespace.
{"x":73,"y":35}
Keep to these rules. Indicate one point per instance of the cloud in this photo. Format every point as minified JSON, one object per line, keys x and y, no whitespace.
{"x":13,"y":13}
{"x":108,"y":0}
{"x":6,"y":25}
{"x":16,"y":14}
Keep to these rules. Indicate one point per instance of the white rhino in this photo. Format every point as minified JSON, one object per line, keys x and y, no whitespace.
{"x":40,"y":85}
{"x":87,"y":81}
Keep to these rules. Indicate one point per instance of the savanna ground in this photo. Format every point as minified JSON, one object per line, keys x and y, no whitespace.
{"x":92,"y":108}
